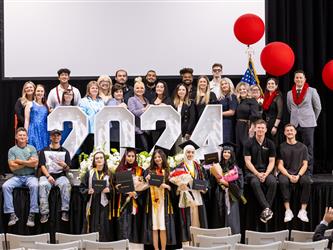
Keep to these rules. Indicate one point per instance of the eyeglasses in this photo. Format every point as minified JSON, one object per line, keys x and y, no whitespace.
{"x":217,"y":70}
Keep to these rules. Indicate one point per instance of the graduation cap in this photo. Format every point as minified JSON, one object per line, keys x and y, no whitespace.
{"x":165,"y":151}
{"x":228,"y":146}
{"x":189,"y":142}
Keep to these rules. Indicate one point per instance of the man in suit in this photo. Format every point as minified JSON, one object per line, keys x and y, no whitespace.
{"x":304,"y":106}
{"x":319,"y":233}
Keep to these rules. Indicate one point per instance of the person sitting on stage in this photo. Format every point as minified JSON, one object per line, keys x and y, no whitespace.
{"x":159,"y":217}
{"x":319,"y":233}
{"x":259,"y":156}
{"x":97,"y":196}
{"x":54,"y":161}
{"x":293,"y":166}
{"x":22,"y":161}
{"x":191,"y":204}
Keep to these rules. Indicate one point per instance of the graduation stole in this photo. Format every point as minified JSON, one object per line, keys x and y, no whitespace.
{"x":135,"y":208}
{"x":155,"y":192}
{"x":268,"y":99}
{"x":300,"y":99}
{"x":196,"y":167}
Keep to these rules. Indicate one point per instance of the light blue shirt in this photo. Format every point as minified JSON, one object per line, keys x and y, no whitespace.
{"x":91,"y":107}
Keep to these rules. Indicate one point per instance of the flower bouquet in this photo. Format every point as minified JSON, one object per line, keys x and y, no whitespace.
{"x":229,"y":177}
{"x":179,"y":178}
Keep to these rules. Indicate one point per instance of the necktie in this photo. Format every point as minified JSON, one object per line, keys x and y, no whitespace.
{"x":298,"y":92}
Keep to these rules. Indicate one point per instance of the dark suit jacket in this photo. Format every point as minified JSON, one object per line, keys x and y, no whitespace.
{"x":187,"y":118}
{"x":319,"y":234}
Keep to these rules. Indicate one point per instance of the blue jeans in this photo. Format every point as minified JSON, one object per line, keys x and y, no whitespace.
{"x":19,"y":181}
{"x":44,"y":191}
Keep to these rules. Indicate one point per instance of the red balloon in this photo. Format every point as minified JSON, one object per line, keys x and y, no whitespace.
{"x":249,"y":29}
{"x":277,"y":58}
{"x":327,"y":74}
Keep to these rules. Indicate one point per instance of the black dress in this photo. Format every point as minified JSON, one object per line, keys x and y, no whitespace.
{"x":229,"y":102}
{"x":99,"y":218}
{"x":19,"y":112}
{"x":247,"y":112}
{"x":275,"y":111}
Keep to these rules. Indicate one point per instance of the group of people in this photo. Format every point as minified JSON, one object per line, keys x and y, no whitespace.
{"x":252,"y":151}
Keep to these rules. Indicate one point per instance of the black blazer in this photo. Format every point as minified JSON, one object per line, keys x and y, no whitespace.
{"x":187,"y":118}
{"x":319,"y":234}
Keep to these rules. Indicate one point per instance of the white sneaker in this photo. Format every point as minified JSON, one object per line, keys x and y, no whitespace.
{"x":302,"y":215}
{"x":288,"y":215}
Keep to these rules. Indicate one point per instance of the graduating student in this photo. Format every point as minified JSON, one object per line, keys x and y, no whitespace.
{"x":192,"y":209}
{"x":98,"y":208}
{"x":130,"y":208}
{"x":28,"y":93}
{"x":226,"y":188}
{"x":293,"y":166}
{"x":259,"y":154}
{"x":159,"y":217}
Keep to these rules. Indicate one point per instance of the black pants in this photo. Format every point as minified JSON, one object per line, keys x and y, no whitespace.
{"x":306,"y":135}
{"x":270,"y":185}
{"x":304,"y":183}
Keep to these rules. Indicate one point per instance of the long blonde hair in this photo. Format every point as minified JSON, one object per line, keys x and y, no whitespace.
{"x":24,"y":99}
{"x":231,"y":87}
{"x":105,"y":78}
{"x":206,"y":98}
{"x":239,"y":85}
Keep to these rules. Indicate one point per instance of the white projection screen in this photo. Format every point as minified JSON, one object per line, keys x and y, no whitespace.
{"x":94,"y":37}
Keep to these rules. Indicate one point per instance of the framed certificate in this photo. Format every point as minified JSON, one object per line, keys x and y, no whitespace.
{"x":211,"y":158}
{"x":199,"y":185}
{"x":98,"y":185}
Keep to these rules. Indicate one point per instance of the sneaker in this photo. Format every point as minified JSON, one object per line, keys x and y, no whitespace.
{"x":31,"y":220}
{"x":266,"y":215}
{"x":64,"y":216}
{"x":302,"y":215}
{"x":13,"y":219}
{"x":44,"y":218}
{"x":288,"y":215}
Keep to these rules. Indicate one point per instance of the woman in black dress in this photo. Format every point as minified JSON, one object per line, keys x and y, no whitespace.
{"x":28,"y":93}
{"x":273,"y":109}
{"x":247,"y":113}
{"x":98,"y":208}
{"x":203,"y":96}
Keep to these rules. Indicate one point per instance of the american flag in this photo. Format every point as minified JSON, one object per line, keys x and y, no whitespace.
{"x":250,"y":75}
